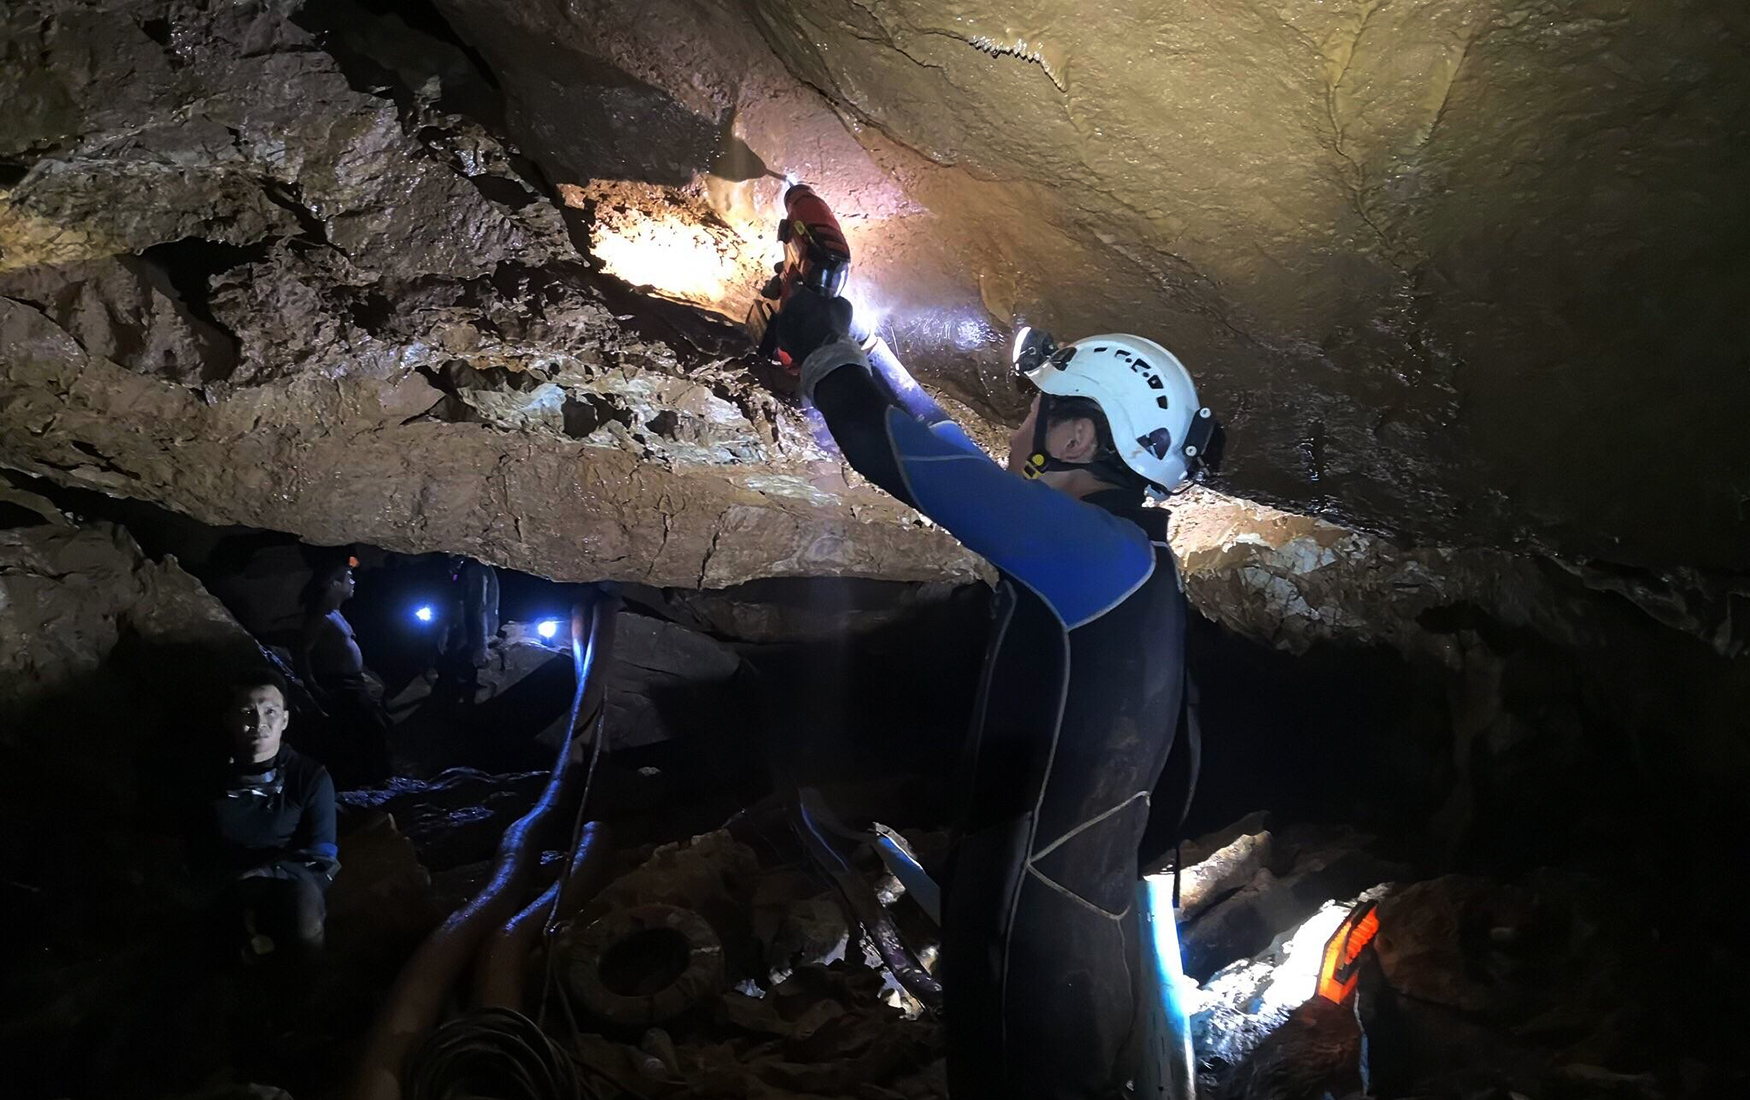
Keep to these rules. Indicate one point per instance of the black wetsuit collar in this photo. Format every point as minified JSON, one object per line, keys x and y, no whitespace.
{"x":1128,"y":503}
{"x":1122,"y":502}
{"x":265,"y":777}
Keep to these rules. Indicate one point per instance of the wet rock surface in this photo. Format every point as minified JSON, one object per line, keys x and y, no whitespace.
{"x":74,"y":593}
{"x":667,"y":681}
{"x":1293,"y":581}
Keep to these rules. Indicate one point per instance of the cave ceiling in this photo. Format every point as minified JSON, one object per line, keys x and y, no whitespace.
{"x":1462,"y":273}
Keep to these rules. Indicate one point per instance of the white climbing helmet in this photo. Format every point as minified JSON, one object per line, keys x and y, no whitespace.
{"x":1159,"y":428}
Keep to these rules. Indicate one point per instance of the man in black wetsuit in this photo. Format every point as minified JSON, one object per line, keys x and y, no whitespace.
{"x":269,"y":824}
{"x":1082,"y":682}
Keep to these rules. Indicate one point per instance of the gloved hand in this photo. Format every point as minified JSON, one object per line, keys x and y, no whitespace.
{"x":810,"y":320}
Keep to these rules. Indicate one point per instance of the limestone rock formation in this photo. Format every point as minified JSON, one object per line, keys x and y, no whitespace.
{"x":243,"y":281}
{"x":108,"y":663}
{"x":1462,"y":271}
{"x":264,"y":261}
{"x":70,"y":595}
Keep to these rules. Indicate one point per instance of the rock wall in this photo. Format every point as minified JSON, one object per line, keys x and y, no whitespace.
{"x":69,"y":595}
{"x":1292,"y":581}
{"x":108,"y":662}
{"x":1461,"y":271}
{"x":285,"y":266}
{"x":244,"y":281}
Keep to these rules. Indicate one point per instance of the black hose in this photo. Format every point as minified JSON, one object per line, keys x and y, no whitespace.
{"x":416,"y":999}
{"x":862,"y":906}
{"x":494,"y":1053}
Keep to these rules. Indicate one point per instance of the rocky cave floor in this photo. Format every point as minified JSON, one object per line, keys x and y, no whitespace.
{"x":1571,"y":949}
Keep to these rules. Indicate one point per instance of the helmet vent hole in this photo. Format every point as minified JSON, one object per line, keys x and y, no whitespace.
{"x":1163,"y":402}
{"x":1098,"y":350}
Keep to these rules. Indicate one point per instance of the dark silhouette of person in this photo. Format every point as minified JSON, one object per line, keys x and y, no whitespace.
{"x":356,"y":745}
{"x":470,"y":627}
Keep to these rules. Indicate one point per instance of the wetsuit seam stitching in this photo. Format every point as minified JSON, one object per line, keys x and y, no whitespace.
{"x":905,"y":478}
{"x":1073,"y":896}
{"x":1178,"y":574}
{"x":899,"y":459}
{"x":1041,"y":597}
{"x":984,"y":688}
{"x":1033,"y":828}
{"x":1088,"y":824}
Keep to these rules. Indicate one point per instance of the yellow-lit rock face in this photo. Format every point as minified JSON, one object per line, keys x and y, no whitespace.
{"x":28,"y":241}
{"x":673,"y":244}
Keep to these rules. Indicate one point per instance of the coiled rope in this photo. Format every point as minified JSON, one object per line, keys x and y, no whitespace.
{"x":495,"y":1053}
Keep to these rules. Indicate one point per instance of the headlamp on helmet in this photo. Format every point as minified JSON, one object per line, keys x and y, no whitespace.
{"x":1033,"y":348}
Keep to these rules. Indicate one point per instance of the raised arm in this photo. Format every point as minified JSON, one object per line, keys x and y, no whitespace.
{"x":1081,"y":559}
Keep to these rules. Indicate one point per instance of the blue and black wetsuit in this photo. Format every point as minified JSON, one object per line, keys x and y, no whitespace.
{"x":1076,"y":715}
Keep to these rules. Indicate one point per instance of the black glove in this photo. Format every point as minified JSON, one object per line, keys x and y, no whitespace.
{"x":810,"y":320}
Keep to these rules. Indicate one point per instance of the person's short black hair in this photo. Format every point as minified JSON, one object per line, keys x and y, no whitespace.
{"x":323,"y":573}
{"x":1107,"y":465}
{"x":251,"y":678}
{"x":1060,"y":409}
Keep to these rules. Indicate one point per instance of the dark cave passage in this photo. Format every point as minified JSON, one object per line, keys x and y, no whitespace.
{"x":1324,"y":776}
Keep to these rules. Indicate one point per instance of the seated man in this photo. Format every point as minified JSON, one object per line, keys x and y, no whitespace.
{"x":331,"y":665}
{"x":269,"y":826}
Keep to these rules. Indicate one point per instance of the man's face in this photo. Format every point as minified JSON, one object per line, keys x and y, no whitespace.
{"x":256,"y":720}
{"x":343,"y":583}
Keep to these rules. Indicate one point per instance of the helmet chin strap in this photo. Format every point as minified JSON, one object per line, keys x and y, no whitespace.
{"x":1039,"y":458}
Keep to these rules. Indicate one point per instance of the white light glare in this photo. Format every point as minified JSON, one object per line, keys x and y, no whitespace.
{"x":424,"y":614}
{"x":548,"y":628}
{"x":1020,"y":338}
{"x":969,"y":332}
{"x":867,"y":313}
